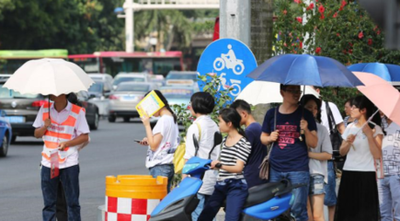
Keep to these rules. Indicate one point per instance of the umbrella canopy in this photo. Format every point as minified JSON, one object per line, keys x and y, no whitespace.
{"x":382,"y":94}
{"x":262,"y":92}
{"x":388,"y":72}
{"x":49,"y":76}
{"x":305,"y":69}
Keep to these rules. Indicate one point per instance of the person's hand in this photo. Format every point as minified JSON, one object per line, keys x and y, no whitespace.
{"x":303,"y":125}
{"x":274,"y":135}
{"x":350,"y":138}
{"x":368,"y":131}
{"x":62,"y":145}
{"x":47,"y":122}
{"x":144,"y":142}
{"x":213,"y":163}
{"x":145,"y":119}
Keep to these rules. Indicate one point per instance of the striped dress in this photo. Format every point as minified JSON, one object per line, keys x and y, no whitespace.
{"x":230,"y":154}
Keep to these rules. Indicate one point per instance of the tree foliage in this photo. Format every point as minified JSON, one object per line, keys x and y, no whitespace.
{"x":339,"y":29}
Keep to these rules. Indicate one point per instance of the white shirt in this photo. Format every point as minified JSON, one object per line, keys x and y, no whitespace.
{"x":359,"y":158}
{"x":324,"y":145}
{"x":208,"y":128}
{"x":335,"y":112}
{"x":170,"y":141}
{"x":81,"y":127}
{"x":391,"y":150}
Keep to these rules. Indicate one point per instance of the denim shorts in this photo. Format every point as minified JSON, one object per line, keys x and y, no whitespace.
{"x":317,"y":184}
{"x":330,"y":188}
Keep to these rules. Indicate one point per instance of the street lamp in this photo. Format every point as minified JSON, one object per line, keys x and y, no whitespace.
{"x":128,"y":9}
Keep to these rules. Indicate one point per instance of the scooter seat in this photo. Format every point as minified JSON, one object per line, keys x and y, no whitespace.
{"x":264,"y":192}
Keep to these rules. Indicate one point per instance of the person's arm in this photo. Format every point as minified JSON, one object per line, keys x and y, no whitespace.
{"x":267,"y":138}
{"x":346,"y":144}
{"x":340,"y":127}
{"x":320,"y":156}
{"x":83,"y":138}
{"x":39,"y":132}
{"x":153,"y":140}
{"x":374,"y":143}
{"x":238,"y":168}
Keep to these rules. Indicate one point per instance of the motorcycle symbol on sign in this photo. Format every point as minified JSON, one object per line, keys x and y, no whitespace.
{"x":229,"y":61}
{"x":235,"y":84}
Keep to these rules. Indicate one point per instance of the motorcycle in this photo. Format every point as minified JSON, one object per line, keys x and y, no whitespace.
{"x":265,"y":202}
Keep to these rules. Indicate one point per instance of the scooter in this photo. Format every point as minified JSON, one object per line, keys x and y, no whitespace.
{"x":265,"y":202}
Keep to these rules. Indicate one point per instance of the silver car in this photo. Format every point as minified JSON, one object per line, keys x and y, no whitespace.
{"x":124,"y":99}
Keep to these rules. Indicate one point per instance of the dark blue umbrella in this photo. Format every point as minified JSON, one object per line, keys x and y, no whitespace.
{"x":388,"y":72}
{"x":304,"y":69}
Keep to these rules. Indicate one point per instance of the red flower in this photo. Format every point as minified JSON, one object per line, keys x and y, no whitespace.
{"x":378,"y":32}
{"x":344,"y":3}
{"x":284,"y":44}
{"x":321,"y":9}
{"x":360,"y":35}
{"x":322,"y":16}
{"x":337,"y":34}
{"x":284,"y":12}
{"x":297,"y":1}
{"x":351,"y":45}
{"x":311,"y":6}
{"x":301,"y":44}
{"x":341,"y":8}
{"x":376,"y":26}
{"x":335,"y":15}
{"x":318,"y":50}
{"x":344,"y":52}
{"x":350,"y":51}
{"x":299,"y":19}
{"x":369,"y":41}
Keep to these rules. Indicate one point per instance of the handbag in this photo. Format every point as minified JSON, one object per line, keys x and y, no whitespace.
{"x":264,"y":166}
{"x":335,"y":136}
{"x":180,"y":151}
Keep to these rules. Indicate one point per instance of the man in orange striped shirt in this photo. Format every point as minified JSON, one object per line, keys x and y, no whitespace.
{"x":64,"y":129}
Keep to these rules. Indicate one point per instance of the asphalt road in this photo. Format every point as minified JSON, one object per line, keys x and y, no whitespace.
{"x":111,"y":151}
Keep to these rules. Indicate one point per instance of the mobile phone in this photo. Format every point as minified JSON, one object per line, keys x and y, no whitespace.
{"x":137,"y":141}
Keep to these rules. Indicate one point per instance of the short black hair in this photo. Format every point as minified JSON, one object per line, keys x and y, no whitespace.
{"x":241,"y":104}
{"x":284,"y":86}
{"x":308,"y":97}
{"x":202,"y":103}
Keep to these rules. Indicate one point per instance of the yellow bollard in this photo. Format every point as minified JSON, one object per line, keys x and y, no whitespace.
{"x":133,"y":197}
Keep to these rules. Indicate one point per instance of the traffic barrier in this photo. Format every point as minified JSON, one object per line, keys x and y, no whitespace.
{"x":133,"y":197}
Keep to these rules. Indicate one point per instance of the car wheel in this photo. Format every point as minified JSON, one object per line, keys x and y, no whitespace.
{"x":13,"y":138}
{"x":111,"y":118}
{"x":4,"y":146}
{"x":126,"y":119}
{"x":95,"y":124}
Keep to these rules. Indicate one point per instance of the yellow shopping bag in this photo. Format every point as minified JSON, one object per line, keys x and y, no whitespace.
{"x":178,"y":161}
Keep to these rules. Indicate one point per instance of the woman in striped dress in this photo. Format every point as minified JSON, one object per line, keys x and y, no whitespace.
{"x":231,"y":185}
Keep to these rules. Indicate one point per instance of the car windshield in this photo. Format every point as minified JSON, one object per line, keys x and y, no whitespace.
{"x":133,"y":87}
{"x":7,"y":93}
{"x":96,"y":87}
{"x":182,"y":76}
{"x":126,"y":79}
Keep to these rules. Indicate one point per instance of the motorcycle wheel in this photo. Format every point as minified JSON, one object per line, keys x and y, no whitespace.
{"x":238,"y":69}
{"x":219,"y":64}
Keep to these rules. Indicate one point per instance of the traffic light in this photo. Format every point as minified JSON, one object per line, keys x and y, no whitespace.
{"x":386,"y":14}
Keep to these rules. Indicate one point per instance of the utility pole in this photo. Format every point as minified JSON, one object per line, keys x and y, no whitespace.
{"x":261,"y":29}
{"x":128,"y":8}
{"x":234,"y":20}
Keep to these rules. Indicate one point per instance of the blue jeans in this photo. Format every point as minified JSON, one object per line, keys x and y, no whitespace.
{"x":166,"y":170}
{"x":389,"y":197}
{"x":69,"y":178}
{"x":234,"y":191}
{"x":299,"y":207}
{"x":330,"y":187}
{"x":203,"y":199}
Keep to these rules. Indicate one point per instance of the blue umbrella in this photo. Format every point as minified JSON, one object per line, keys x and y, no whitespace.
{"x":388,"y":72}
{"x":304,"y":69}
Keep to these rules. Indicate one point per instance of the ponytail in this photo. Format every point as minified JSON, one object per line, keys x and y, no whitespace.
{"x":164,"y":100}
{"x":172,"y":112}
{"x":241,"y":132}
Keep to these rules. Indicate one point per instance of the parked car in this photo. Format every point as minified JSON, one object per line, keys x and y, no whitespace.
{"x":98,"y":94}
{"x":181,"y":77}
{"x":177,"y":94}
{"x":134,"y":77}
{"x":5,"y":134}
{"x":124,"y":99}
{"x":102,"y":77}
{"x":158,"y":79}
{"x":92,"y":111}
{"x":21,"y":111}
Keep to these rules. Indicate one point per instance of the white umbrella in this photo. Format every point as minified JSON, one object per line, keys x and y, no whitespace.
{"x":264,"y":92}
{"x":49,"y":76}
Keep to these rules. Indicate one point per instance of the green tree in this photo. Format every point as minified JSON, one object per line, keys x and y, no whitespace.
{"x":339,"y":29}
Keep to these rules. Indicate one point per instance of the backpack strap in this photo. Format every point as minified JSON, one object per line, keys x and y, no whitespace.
{"x":197,"y":141}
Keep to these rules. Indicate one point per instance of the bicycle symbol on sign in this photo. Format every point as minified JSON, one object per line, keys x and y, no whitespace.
{"x":235,"y":84}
